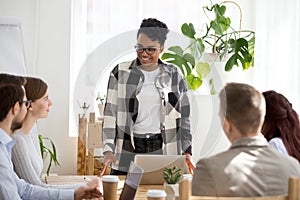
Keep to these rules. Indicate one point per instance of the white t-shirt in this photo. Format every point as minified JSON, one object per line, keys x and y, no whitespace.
{"x":148,"y":119}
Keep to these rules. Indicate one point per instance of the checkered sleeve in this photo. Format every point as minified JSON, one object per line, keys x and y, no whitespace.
{"x":110,"y":112}
{"x":185,"y":129}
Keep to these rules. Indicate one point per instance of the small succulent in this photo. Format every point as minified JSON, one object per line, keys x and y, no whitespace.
{"x":172,"y":175}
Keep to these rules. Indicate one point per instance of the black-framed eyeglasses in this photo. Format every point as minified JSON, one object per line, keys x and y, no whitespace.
{"x":27,"y":103}
{"x":149,"y":50}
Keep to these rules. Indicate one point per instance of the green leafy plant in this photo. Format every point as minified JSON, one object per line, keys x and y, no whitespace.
{"x":172,"y":175}
{"x":219,"y":38}
{"x":46,"y":150}
{"x":101,"y":98}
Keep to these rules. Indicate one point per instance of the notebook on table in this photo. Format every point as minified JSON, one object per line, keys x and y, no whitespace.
{"x":154,"y":165}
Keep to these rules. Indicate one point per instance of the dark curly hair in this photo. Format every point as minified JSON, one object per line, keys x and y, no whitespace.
{"x":282,"y":121}
{"x":154,"y":29}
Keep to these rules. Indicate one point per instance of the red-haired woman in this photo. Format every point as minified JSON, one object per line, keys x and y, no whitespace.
{"x":281,"y":126}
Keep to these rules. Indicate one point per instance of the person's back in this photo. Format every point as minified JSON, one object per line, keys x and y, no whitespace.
{"x":250,"y":167}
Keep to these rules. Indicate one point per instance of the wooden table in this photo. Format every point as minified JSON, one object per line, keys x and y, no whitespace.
{"x":140,"y":195}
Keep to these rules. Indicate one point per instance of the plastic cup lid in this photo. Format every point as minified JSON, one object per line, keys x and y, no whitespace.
{"x":187,"y":177}
{"x":110,"y":178}
{"x":156,"y":193}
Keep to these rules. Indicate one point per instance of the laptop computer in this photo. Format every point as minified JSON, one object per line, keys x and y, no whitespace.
{"x":153,"y":166}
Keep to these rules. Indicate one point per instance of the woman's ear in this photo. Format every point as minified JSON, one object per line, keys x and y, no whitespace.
{"x":30,"y":108}
{"x":162,"y":48}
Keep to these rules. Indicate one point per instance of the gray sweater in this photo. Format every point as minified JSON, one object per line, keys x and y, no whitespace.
{"x":28,"y":162}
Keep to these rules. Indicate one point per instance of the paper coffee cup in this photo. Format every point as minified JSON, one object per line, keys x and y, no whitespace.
{"x":156,"y":195}
{"x":185,"y":186}
{"x":110,"y":187}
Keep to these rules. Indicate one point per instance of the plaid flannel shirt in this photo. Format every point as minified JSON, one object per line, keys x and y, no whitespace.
{"x":121,"y":110}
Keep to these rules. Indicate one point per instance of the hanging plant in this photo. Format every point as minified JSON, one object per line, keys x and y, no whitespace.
{"x":218,"y":38}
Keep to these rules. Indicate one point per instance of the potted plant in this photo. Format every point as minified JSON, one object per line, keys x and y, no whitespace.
{"x":101,"y":102}
{"x":46,"y":150}
{"x":219,"y":39}
{"x":172,"y":177}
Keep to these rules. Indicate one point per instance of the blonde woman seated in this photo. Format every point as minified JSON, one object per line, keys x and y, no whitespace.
{"x":27,"y":159}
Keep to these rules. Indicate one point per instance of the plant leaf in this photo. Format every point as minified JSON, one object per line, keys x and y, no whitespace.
{"x":193,"y":82}
{"x":221,"y":23}
{"x":202,"y":69}
{"x":212,"y":87}
{"x":45,"y":150}
{"x":189,"y":59}
{"x":185,"y":62}
{"x":177,"y":50}
{"x":41,"y":144}
{"x":188,"y":30}
{"x":230,"y":63}
{"x":201,"y":46}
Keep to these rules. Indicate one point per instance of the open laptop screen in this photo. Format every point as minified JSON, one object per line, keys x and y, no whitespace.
{"x":153,"y":166}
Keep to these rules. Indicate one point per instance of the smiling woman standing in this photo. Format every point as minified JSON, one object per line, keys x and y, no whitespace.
{"x":147,"y":108}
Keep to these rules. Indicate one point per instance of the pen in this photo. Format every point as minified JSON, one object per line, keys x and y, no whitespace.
{"x":102,"y":172}
{"x":86,"y":179}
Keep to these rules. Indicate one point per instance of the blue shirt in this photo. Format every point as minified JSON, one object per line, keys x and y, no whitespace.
{"x":11,"y":187}
{"x":277,"y":144}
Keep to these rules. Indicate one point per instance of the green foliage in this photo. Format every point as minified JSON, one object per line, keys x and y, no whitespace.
{"x":218,"y":37}
{"x":172,"y":175}
{"x":101,"y":98}
{"x":46,"y":150}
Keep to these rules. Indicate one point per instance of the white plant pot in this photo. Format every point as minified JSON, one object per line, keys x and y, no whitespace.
{"x":206,"y":128}
{"x":101,"y":109}
{"x":220,"y":76}
{"x":172,"y":191}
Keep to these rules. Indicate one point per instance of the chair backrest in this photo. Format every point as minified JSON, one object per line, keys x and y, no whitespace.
{"x":294,"y":188}
{"x":293,"y":194}
{"x":239,"y":198}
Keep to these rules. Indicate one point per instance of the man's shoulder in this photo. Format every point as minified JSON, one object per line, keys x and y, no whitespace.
{"x":216,"y":159}
{"x":259,"y":157}
{"x":286,"y":160}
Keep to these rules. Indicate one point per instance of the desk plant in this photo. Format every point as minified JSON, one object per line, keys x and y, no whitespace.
{"x":46,"y":150}
{"x":219,"y":38}
{"x":172,"y":177}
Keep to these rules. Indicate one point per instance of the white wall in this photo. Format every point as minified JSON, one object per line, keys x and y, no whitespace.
{"x":50,"y":45}
{"x":47,"y":51}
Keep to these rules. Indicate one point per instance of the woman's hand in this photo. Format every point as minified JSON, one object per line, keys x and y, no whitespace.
{"x":90,"y":191}
{"x":109,"y":158}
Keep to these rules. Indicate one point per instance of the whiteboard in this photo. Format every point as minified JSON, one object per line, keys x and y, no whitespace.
{"x":12,"y":59}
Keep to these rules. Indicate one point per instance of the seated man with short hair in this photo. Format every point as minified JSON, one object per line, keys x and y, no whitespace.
{"x":250,"y":167}
{"x":13,"y":108}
